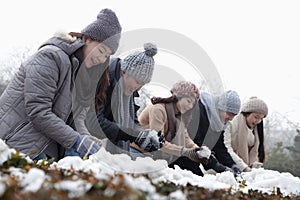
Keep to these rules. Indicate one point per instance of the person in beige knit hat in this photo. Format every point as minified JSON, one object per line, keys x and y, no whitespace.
{"x":244,"y":137}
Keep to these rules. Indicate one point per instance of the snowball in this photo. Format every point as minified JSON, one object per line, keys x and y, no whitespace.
{"x":204,"y":152}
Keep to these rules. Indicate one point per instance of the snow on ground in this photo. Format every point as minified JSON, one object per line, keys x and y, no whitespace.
{"x":105,"y":165}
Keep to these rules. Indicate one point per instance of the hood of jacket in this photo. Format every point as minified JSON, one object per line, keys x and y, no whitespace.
{"x":64,"y":41}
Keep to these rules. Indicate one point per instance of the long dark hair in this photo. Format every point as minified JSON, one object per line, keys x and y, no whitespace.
{"x":103,"y":83}
{"x":76,"y":34}
{"x":186,"y":117}
{"x":261,"y":148}
{"x":171,"y":99}
{"x":260,"y":132}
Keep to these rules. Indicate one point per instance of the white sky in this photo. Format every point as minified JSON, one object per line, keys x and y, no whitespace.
{"x":254,"y":44}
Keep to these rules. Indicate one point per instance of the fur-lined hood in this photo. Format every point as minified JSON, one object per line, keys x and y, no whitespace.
{"x":64,"y":41}
{"x":65,"y":36}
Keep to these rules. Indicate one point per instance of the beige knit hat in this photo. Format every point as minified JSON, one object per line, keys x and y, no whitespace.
{"x":256,"y":105}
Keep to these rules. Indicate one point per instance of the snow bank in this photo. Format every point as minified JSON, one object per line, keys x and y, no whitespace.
{"x":104,"y":165}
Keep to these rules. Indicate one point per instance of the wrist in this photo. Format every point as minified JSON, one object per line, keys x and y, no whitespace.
{"x":76,"y":142}
{"x":234,"y":165}
{"x":181,"y":151}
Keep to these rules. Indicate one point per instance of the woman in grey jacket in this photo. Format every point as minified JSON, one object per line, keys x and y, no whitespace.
{"x":36,"y":107}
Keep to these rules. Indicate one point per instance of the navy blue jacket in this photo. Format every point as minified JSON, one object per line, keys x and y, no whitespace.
{"x":197,"y":129}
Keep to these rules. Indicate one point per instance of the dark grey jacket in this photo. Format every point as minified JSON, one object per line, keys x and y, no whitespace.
{"x":36,"y":104}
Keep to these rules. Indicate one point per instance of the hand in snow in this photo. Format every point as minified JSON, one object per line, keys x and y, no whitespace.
{"x":150,"y":140}
{"x":86,"y":145}
{"x":204,"y":152}
{"x":257,"y":164}
{"x":236,"y":170}
{"x":247,"y":169}
{"x":192,"y":153}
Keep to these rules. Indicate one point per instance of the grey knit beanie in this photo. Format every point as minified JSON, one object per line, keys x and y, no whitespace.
{"x":256,"y":105}
{"x":106,"y":29}
{"x":229,"y":101}
{"x":185,"y":89}
{"x":140,"y":65}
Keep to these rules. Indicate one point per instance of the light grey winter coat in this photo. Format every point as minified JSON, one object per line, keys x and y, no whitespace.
{"x":36,"y":104}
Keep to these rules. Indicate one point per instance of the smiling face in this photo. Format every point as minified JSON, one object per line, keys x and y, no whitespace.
{"x":253,"y":119}
{"x":95,"y":53}
{"x":130,"y":84}
{"x":185,"y":104}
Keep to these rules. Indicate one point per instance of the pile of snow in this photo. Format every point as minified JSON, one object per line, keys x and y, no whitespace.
{"x":123,"y":163}
{"x":5,"y":152}
{"x":104,"y":165}
{"x":266,"y":180}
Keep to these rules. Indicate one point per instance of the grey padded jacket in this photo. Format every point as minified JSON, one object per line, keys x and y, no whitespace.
{"x":36,"y":104}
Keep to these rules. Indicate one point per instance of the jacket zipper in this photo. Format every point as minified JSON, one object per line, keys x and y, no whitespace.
{"x":19,"y":127}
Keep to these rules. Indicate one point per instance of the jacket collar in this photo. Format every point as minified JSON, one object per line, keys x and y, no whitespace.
{"x":65,"y":42}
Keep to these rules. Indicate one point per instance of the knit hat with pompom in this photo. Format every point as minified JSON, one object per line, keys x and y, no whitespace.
{"x":140,"y":65}
{"x":105,"y":29}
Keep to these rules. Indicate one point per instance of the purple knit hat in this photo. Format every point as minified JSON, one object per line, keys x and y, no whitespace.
{"x":106,"y":29}
{"x":185,"y":89}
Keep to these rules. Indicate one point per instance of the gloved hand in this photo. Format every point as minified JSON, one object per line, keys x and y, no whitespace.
{"x":97,"y":140}
{"x":218,"y":167}
{"x":214,"y":164}
{"x":86,"y":146}
{"x":150,"y":140}
{"x":247,"y":169}
{"x":228,"y":169}
{"x":236,"y":170}
{"x":192,"y":154}
{"x":257,"y":164}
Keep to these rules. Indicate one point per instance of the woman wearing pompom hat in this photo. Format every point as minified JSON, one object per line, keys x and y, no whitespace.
{"x":116,"y":118}
{"x":210,"y":119}
{"x":37,"y":111}
{"x":244,"y":137}
{"x":171,"y":116}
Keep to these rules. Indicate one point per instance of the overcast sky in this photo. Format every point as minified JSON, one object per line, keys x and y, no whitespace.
{"x":254,"y":45}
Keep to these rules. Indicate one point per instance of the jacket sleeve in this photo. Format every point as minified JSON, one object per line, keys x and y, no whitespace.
{"x":40,"y":88}
{"x":176,"y":150}
{"x":157,"y":117}
{"x":112,"y":131}
{"x":79,"y":121}
{"x":227,"y":142}
{"x":157,"y":121}
{"x":189,"y":143}
{"x":222,"y":153}
{"x":136,"y":108}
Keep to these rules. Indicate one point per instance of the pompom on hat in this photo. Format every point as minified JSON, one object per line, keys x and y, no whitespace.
{"x":140,"y":65}
{"x":229,"y":101}
{"x":185,"y":89}
{"x":255,"y":105}
{"x":105,"y":29}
